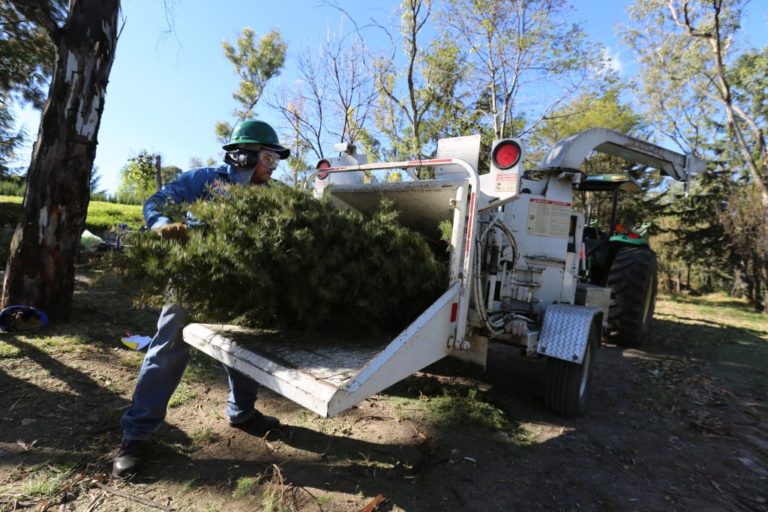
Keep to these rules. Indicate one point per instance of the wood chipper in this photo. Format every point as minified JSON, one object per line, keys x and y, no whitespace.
{"x":517,"y":252}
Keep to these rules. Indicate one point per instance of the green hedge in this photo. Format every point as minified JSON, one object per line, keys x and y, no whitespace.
{"x":101,"y":216}
{"x":10,"y":210}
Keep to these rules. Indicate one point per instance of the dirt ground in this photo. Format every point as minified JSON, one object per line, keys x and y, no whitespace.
{"x":679,"y":424}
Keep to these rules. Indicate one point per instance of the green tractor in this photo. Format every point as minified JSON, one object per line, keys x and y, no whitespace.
{"x":623,"y":261}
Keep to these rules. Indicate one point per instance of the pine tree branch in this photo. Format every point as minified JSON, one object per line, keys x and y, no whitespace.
{"x":42,"y":12}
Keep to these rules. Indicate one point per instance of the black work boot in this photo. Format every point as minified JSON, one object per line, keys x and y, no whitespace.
{"x":260,"y":425}
{"x":128,"y":459}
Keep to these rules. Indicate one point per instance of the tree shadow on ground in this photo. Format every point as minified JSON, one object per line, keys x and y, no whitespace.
{"x":70,"y":415}
{"x":77,"y":384}
{"x":715,"y":342}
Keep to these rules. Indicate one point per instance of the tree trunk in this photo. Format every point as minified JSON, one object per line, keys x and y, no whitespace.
{"x":158,"y":172}
{"x":749,"y":282}
{"x":737,"y":287}
{"x":764,"y":278}
{"x":40,"y":270}
{"x":757,"y":279}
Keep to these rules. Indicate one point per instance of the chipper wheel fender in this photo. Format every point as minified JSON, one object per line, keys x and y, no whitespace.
{"x":566,"y":384}
{"x":633,"y":280}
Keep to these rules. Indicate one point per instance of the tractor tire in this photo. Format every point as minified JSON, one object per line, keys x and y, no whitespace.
{"x":633,"y":280}
{"x":566,"y":384}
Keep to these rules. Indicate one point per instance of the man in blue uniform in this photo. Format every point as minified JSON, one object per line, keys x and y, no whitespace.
{"x":251,"y":157}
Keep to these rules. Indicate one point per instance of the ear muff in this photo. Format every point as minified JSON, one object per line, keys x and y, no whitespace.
{"x":242,"y":158}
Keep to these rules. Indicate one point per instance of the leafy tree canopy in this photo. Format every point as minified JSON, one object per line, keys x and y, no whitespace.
{"x":26,"y":64}
{"x":256,"y":64}
{"x":138,"y":178}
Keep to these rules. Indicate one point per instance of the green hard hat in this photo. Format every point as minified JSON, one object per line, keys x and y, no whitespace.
{"x":256,"y":132}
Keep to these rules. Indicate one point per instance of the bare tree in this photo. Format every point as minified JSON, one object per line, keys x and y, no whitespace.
{"x":416,"y":100}
{"x":715,"y":28}
{"x":333,"y":97}
{"x":40,"y":269}
{"x":519,"y":47}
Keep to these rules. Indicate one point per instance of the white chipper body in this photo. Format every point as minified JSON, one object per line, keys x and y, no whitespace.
{"x":516,"y":250}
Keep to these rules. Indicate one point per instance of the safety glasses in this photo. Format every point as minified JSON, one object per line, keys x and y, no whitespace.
{"x":269,"y":158}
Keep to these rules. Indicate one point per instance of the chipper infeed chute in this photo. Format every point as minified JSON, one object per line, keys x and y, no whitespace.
{"x":328,"y":376}
{"x":421,"y":205}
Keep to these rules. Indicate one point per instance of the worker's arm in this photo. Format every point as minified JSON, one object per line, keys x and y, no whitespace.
{"x":188,"y":187}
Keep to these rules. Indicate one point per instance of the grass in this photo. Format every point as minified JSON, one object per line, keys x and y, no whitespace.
{"x":471,"y":410}
{"x":205,"y":436}
{"x":274,"y":496}
{"x":202,"y":368}
{"x":132,"y":359}
{"x":189,"y":485}
{"x":9,"y":351}
{"x":102,"y":218}
{"x":46,"y":482}
{"x":71,"y":344}
{"x":182,"y":396}
{"x":245,"y":486}
{"x":449,"y":405}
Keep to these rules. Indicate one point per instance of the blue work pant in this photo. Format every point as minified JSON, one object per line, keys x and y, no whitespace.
{"x":164,"y":364}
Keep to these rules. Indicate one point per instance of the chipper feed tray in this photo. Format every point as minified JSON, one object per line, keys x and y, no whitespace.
{"x":325,"y":375}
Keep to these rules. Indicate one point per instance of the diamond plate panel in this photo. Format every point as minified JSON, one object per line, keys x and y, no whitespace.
{"x":565,"y":332}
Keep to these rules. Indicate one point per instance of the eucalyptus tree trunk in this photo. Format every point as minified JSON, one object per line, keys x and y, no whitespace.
{"x":40,"y":270}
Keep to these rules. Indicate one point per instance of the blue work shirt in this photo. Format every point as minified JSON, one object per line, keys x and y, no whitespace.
{"x":188,"y":187}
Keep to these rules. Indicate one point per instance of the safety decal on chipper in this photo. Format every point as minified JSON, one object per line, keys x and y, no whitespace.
{"x":507,"y":182}
{"x":549,"y":218}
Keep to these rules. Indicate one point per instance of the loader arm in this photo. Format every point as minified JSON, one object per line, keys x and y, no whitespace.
{"x":569,"y":153}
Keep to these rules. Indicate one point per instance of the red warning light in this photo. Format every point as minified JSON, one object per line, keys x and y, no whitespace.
{"x":506,"y":154}
{"x":323,"y":164}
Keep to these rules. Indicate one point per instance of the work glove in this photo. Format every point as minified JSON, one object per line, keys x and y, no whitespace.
{"x":174,"y":231}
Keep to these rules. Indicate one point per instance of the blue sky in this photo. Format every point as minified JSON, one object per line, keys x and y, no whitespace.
{"x":167,"y":90}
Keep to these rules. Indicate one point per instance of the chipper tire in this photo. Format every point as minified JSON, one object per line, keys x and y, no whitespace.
{"x":566,"y":384}
{"x":633,"y":280}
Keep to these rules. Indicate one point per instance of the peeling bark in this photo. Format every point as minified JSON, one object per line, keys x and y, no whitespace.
{"x":40,"y":270}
